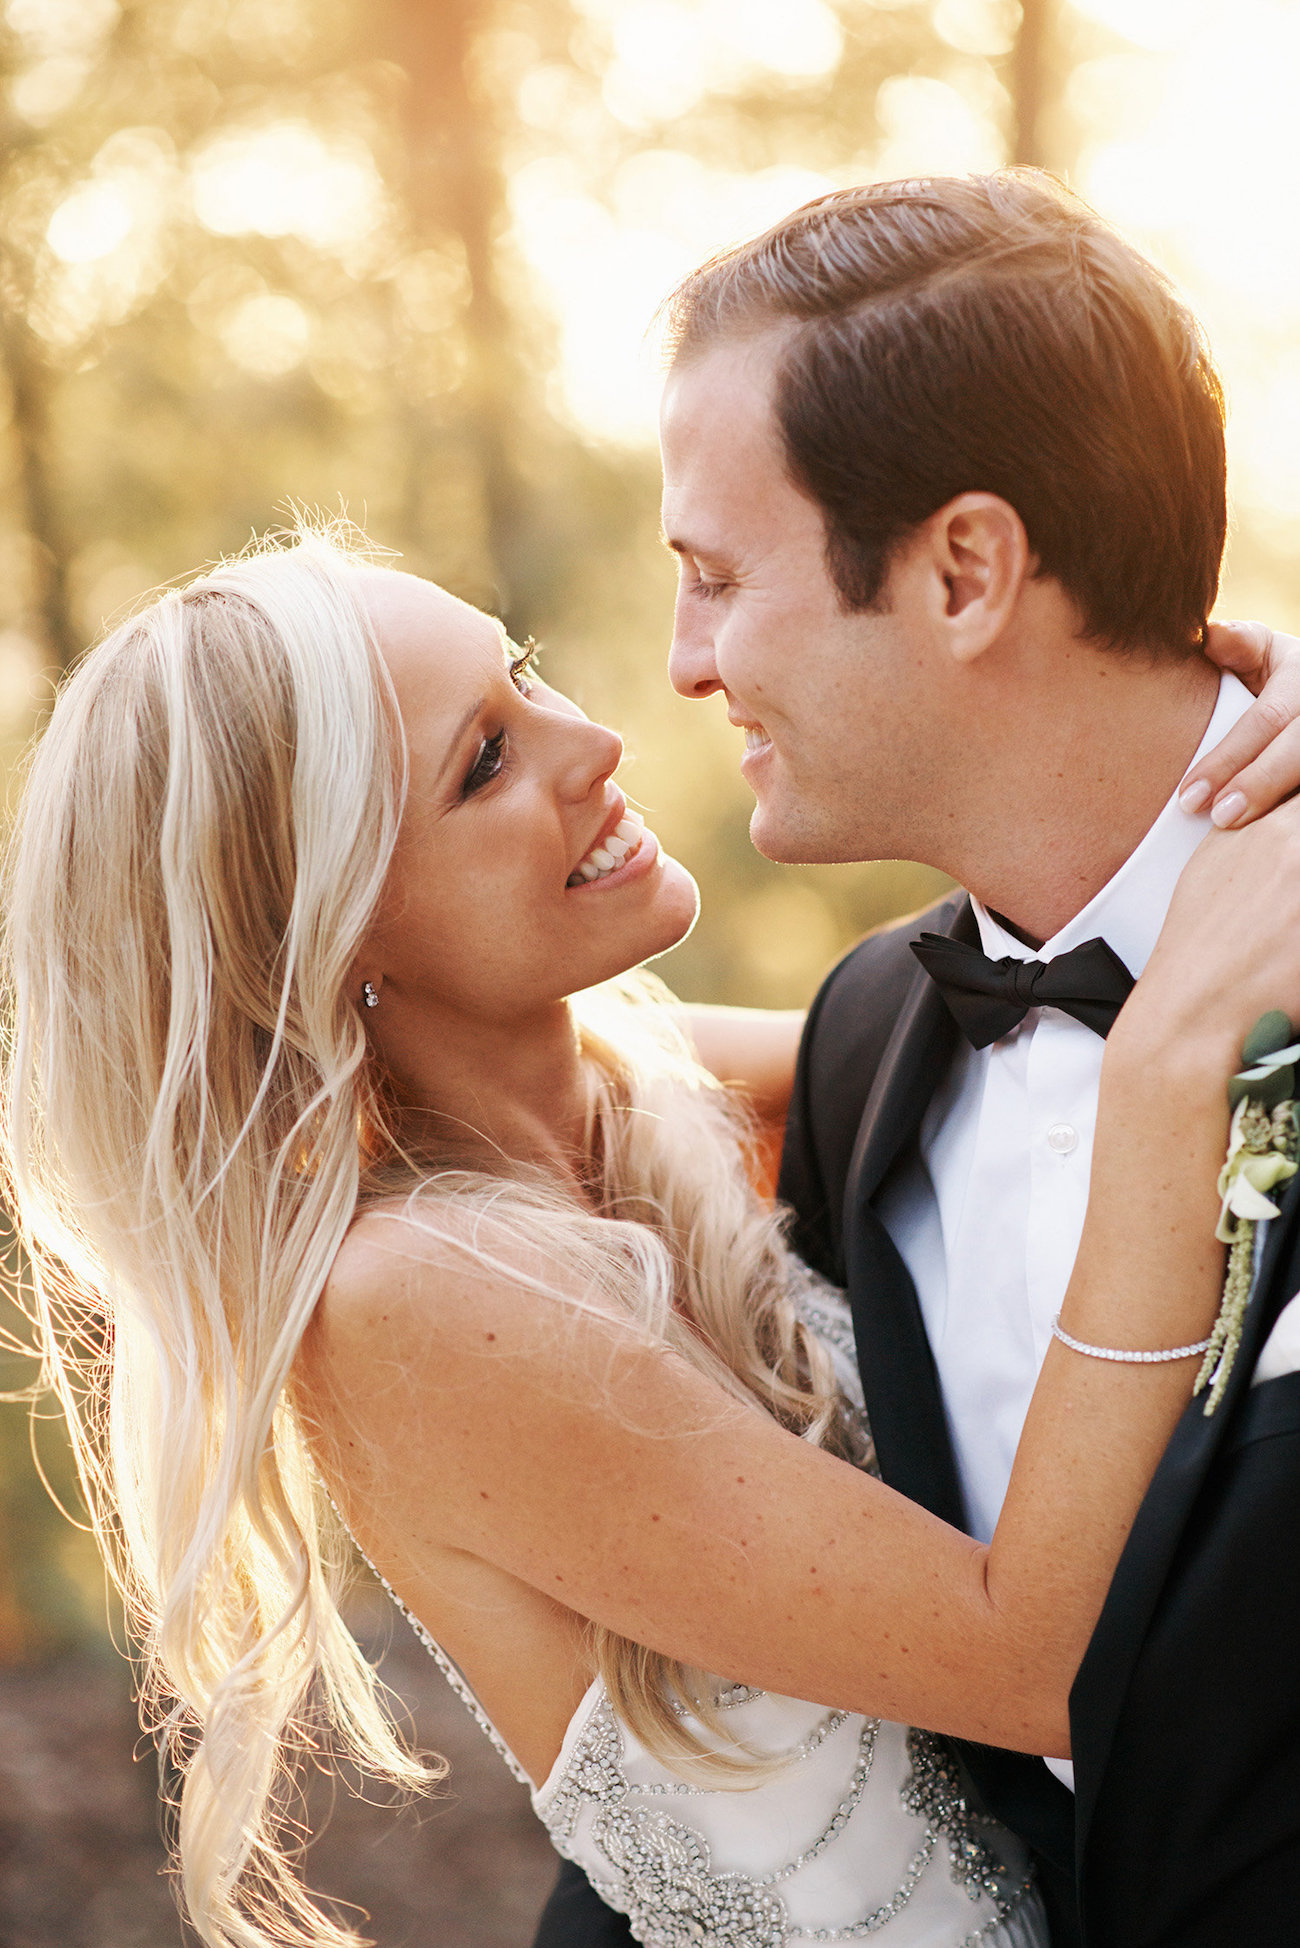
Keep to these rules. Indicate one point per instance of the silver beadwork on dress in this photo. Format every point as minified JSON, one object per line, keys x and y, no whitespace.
{"x":659,"y":1872}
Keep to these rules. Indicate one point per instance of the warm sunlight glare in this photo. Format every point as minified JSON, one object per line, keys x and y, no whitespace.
{"x":667,"y":53}
{"x":267,"y":334}
{"x":287,"y":180}
{"x":90,"y":223}
{"x":607,"y":263}
{"x":1160,"y":24}
{"x":61,"y":26}
{"x":607,"y":257}
{"x":1202,"y":170}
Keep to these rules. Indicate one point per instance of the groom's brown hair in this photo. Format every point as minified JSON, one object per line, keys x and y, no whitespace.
{"x":991,"y":334}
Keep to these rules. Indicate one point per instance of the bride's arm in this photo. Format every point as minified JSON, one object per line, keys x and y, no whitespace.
{"x":616,"y":1480}
{"x":754,"y":1049}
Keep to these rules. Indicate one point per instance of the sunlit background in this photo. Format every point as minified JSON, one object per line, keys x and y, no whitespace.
{"x":403,"y":258}
{"x":400,"y":257}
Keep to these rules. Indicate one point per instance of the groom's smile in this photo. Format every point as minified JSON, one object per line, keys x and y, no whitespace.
{"x":827,"y":697}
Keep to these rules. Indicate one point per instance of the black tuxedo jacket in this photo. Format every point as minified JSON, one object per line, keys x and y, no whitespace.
{"x":1185,"y":1715}
{"x":1185,"y":1830}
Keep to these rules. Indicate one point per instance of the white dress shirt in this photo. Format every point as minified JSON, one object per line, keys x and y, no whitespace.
{"x":989,"y":1214}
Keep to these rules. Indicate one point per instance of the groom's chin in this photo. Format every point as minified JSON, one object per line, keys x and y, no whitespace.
{"x":791,"y":842}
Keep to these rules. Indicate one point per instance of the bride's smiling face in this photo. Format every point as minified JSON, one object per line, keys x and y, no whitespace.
{"x":495,"y":904}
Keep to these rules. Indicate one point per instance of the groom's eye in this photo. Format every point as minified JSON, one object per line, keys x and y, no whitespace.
{"x":708,"y":591}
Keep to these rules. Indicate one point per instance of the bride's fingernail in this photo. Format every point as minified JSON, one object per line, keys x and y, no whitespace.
{"x":1196,"y":797}
{"x":1229,"y":808}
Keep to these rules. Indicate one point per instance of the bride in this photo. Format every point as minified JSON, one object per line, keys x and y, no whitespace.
{"x":367,"y":1195}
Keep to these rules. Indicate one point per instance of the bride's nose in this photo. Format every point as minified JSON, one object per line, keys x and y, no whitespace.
{"x":592,"y":753}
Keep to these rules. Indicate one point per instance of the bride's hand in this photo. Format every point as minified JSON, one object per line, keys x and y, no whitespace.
{"x":1257,"y":764}
{"x":1229,"y":950}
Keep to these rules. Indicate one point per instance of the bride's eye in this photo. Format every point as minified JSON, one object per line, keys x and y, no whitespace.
{"x":523,"y":667}
{"x":491,"y":757}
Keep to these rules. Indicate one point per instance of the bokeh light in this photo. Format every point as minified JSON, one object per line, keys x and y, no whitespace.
{"x":287,"y":180}
{"x":1200,"y":165}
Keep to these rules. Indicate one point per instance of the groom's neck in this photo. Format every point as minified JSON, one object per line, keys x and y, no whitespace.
{"x":1073,"y":776}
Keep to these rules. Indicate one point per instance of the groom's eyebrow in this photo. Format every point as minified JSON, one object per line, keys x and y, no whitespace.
{"x":678,"y":546}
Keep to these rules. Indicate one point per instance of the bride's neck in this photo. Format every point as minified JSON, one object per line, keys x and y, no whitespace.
{"x":482,"y":1093}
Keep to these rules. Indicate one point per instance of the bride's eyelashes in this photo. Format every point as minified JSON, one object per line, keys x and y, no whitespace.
{"x":493,"y":752}
{"x":488,"y":765}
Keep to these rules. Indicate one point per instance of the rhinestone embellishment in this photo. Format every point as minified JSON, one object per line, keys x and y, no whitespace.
{"x":659,"y":1873}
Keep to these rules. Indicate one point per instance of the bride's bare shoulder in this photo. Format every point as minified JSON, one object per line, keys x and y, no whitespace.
{"x":433,"y":1289}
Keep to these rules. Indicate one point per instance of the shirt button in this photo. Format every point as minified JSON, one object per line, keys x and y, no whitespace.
{"x":1062,"y":1138}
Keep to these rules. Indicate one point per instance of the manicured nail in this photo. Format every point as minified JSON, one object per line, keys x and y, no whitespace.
{"x":1197,"y":796}
{"x":1229,"y":808}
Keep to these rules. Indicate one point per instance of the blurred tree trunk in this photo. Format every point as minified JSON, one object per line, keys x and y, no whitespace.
{"x":455,"y":186}
{"x":1030,"y":77}
{"x":29,"y":386}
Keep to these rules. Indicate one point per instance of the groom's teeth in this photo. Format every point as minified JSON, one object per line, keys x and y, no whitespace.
{"x":755,"y":737}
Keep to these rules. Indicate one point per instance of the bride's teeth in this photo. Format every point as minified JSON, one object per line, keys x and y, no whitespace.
{"x":612,"y":852}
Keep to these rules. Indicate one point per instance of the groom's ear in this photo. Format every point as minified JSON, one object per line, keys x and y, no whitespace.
{"x":975,"y":557}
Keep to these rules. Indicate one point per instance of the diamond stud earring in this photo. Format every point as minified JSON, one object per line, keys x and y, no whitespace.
{"x":369,"y":994}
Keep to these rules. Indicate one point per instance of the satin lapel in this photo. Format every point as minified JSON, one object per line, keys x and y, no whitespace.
{"x":904,"y":1403}
{"x":1099,"y":1689}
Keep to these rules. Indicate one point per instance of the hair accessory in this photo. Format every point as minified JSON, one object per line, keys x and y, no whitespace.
{"x":1118,"y":1353}
{"x":370,"y":994}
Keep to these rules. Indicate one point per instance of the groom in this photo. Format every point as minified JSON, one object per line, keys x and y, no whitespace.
{"x":944,"y":472}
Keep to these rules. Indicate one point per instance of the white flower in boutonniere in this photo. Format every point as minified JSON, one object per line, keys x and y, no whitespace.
{"x":1254,"y":1165}
{"x":1262,"y":1147}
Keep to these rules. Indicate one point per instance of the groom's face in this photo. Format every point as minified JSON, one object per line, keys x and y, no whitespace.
{"x":838,"y":709}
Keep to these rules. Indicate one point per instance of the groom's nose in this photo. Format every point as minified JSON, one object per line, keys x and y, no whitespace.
{"x":692,"y":670}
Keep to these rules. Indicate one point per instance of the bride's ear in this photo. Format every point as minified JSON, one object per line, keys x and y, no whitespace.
{"x":977,"y":557}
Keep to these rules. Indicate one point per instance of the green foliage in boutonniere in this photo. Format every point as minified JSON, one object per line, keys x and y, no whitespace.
{"x":1262,"y":1148}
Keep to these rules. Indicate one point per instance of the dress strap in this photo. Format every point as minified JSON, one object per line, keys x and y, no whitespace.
{"x":452,"y":1672}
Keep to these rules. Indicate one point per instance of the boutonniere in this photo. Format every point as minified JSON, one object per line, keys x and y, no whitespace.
{"x":1262,"y":1148}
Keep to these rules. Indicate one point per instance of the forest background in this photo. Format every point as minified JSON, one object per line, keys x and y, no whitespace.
{"x":398,"y":258}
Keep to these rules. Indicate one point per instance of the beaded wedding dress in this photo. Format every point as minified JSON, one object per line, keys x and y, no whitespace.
{"x":862,"y":1831}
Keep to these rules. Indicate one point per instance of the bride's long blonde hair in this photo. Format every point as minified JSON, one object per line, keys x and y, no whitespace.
{"x":191,"y":1119}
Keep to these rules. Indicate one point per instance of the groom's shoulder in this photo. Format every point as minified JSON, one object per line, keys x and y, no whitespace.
{"x":872,"y":981}
{"x":849,"y":1028}
{"x":857,"y":1008}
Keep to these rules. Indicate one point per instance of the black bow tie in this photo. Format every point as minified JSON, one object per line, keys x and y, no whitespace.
{"x":988,"y":998}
